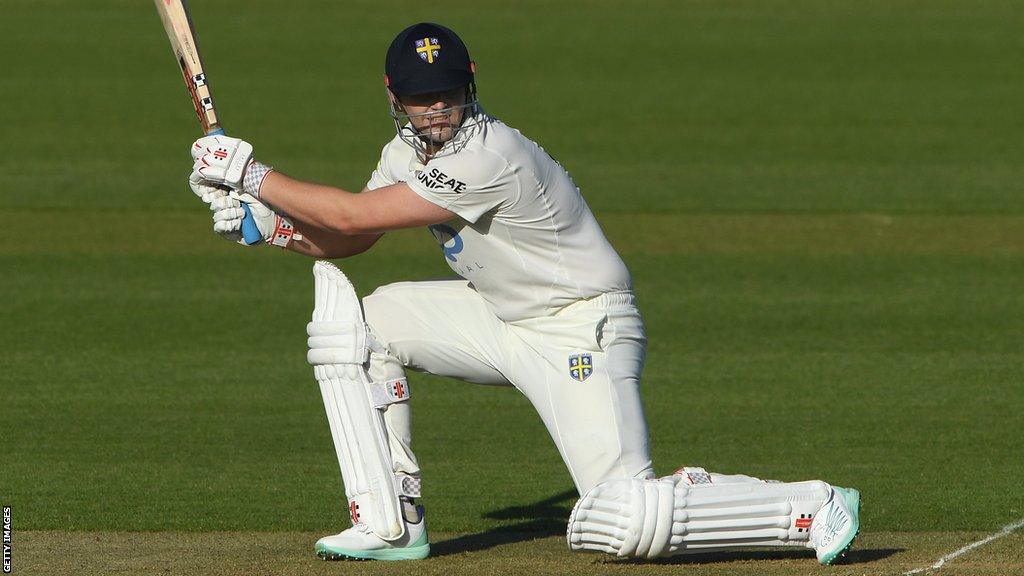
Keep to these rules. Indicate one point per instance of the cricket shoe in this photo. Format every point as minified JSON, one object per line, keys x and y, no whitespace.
{"x":360,"y":543}
{"x":836,"y":525}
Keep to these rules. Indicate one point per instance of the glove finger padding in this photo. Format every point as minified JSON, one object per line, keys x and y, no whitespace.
{"x":230,"y":230}
{"x":234,"y":215}
{"x":224,"y":202}
{"x":227,"y":217}
{"x":206,"y":191}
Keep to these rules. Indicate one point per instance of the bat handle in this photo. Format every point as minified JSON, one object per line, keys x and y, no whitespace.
{"x":250,"y":232}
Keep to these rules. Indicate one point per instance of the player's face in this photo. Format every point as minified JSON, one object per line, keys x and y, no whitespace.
{"x":437,"y":115}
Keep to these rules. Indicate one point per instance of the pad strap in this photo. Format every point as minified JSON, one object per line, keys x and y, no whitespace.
{"x":407,"y":485}
{"x":385,"y":393}
{"x":693,"y":475}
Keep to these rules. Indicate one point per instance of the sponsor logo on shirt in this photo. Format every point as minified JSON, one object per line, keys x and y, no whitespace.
{"x":452,"y":245}
{"x":448,"y":238}
{"x":437,"y":180}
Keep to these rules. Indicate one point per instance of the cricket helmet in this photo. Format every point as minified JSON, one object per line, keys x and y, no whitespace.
{"x":428,"y":58}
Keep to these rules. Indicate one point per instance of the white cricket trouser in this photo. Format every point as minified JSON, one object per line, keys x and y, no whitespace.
{"x":595,"y":417}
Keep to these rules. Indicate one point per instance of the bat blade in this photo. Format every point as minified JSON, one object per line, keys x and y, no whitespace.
{"x":178,"y":24}
{"x":180,"y":31}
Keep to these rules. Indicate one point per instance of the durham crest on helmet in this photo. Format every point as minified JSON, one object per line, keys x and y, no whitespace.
{"x":428,"y":49}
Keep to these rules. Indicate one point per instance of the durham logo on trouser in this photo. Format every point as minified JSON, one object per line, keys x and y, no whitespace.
{"x":581,"y":366}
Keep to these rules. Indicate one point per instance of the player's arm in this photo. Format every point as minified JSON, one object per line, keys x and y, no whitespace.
{"x":276,"y":229}
{"x":357,"y":219}
{"x":319,"y":243}
{"x":339,"y":212}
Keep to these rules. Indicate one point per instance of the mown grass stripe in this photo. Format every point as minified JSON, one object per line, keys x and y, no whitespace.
{"x":149,"y":232}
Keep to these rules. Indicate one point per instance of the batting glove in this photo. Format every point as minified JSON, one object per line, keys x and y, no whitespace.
{"x":221,"y":160}
{"x":228,"y":215}
{"x":204,"y":190}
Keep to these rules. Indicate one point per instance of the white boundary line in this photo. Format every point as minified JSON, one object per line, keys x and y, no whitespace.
{"x":1006,"y":531}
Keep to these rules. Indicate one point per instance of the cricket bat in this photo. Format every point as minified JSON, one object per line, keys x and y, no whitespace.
{"x":180,"y":31}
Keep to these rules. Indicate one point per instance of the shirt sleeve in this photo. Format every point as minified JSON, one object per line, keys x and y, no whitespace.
{"x":382,"y":175}
{"x":469,"y":183}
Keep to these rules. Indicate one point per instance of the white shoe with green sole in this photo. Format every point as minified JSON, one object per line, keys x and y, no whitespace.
{"x":836,"y":525}
{"x":360,"y":543}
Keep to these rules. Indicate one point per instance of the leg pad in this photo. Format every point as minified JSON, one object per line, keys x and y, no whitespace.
{"x":641,"y":518}
{"x":339,"y":350}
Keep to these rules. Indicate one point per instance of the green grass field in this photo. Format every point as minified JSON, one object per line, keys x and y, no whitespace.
{"x":821,"y":204}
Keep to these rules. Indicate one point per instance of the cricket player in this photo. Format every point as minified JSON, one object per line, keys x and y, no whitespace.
{"x":542,"y":302}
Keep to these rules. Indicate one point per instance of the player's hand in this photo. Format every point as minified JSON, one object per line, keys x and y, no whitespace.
{"x":204,"y":190}
{"x":220,"y":160}
{"x":228,"y":215}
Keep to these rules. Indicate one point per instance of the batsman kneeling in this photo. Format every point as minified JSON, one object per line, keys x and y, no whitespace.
{"x":543,"y":303}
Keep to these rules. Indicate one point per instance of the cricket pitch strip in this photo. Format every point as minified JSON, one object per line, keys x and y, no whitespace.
{"x":494,"y":552}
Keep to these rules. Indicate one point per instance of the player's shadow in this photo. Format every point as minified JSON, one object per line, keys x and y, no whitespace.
{"x":855,"y":556}
{"x":541,"y":519}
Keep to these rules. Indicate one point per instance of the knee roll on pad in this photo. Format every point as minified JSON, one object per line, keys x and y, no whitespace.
{"x":332,"y":342}
{"x":339,"y":350}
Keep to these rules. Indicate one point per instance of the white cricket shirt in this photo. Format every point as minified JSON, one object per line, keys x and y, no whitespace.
{"x":523,"y":236}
